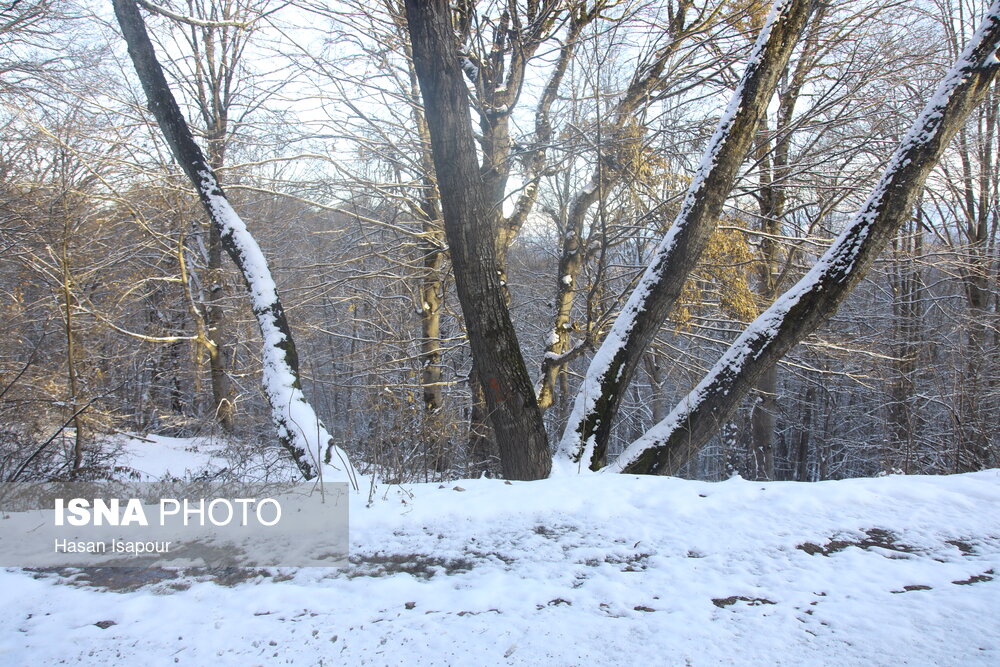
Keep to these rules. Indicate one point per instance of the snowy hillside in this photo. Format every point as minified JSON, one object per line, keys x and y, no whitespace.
{"x":599,"y":570}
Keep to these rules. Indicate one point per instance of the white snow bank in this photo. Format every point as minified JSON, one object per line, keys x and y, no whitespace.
{"x":595,"y":570}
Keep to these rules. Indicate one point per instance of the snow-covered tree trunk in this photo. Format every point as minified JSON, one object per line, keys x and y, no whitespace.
{"x":585,"y":439}
{"x":299,"y":429}
{"x":672,"y":442}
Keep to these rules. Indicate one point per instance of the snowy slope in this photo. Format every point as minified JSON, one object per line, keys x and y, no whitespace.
{"x":598,"y":570}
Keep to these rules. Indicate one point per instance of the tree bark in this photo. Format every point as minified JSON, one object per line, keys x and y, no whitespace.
{"x":471,"y":227}
{"x":482,"y":447}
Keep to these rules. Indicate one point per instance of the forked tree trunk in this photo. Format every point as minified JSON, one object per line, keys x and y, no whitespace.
{"x":584,"y":443}
{"x":471,"y":226}
{"x":672,"y":442}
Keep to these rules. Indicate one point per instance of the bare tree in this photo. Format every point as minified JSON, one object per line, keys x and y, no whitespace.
{"x":472,"y":227}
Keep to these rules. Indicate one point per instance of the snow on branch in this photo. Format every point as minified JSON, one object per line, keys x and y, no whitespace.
{"x":585,"y":439}
{"x":190,"y":20}
{"x":671,"y":443}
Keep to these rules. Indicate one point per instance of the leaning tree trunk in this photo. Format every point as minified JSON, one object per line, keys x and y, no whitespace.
{"x":814,"y":299}
{"x":299,"y":429}
{"x":585,"y":439}
{"x":470,"y":226}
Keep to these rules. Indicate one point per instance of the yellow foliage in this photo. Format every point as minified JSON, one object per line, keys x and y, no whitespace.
{"x":636,"y":159}
{"x":747,"y":15}
{"x":723,"y":272}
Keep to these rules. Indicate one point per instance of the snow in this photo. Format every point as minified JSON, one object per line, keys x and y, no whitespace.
{"x":155,"y":457}
{"x":596,"y":570}
{"x":160,"y":457}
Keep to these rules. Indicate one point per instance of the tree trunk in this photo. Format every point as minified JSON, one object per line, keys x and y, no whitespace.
{"x":762,"y":424}
{"x":802,"y":443}
{"x":471,"y":226}
{"x":299,"y":429}
{"x":69,"y":304}
{"x":906,"y":286}
{"x":216,"y":321}
{"x":570,"y":265}
{"x":432,"y":279}
{"x":431,"y":288}
{"x":771,"y":202}
{"x":217,"y":325}
{"x":482,"y":448}
{"x":974,"y":446}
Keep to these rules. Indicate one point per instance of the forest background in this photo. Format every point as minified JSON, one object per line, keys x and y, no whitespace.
{"x":122,"y":313}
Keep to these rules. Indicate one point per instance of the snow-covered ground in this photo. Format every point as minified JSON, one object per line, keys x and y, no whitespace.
{"x":159,"y":456}
{"x":596,"y":570}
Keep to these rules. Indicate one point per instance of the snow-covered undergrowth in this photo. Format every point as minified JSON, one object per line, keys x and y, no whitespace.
{"x":600,"y":569}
